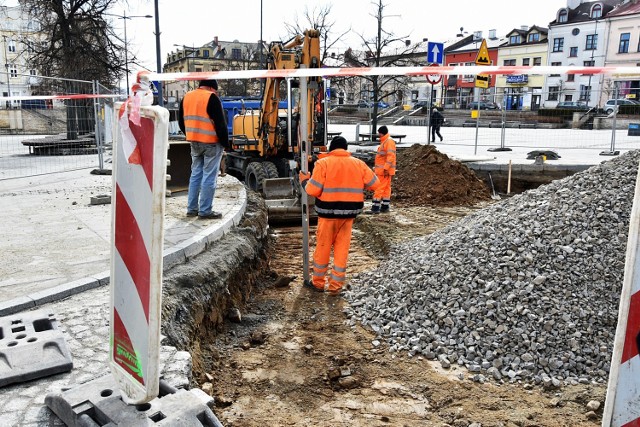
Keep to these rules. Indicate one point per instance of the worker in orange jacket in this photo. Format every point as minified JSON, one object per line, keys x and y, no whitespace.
{"x":385,"y":169}
{"x":338,"y":184}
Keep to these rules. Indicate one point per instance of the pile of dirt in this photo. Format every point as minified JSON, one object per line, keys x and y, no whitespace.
{"x":426,"y":176}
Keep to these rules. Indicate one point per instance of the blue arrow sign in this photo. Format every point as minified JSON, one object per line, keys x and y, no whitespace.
{"x":435,"y":53}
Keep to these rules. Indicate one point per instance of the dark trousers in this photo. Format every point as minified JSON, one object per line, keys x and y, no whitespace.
{"x":435,"y":130}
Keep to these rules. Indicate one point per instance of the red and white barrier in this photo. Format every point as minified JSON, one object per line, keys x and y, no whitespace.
{"x":622,"y":408}
{"x":136,"y":262}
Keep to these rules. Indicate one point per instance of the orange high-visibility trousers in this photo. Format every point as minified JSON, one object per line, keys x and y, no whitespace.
{"x":383,"y":193}
{"x":336,"y":233}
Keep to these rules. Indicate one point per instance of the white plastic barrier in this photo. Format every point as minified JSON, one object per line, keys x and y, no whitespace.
{"x":136,"y":254}
{"x":622,"y":408}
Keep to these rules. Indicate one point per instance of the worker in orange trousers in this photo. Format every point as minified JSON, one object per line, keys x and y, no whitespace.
{"x":338,"y":183}
{"x":385,"y":169}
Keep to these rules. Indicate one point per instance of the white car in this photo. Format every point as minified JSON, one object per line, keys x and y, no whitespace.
{"x":610,"y":104}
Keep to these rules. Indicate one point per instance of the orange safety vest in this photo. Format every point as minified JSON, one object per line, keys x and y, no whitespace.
{"x":386,"y":156}
{"x":197,"y":123}
{"x":338,"y":182}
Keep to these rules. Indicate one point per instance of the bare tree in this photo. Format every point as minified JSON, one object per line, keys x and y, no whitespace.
{"x":384,"y":50}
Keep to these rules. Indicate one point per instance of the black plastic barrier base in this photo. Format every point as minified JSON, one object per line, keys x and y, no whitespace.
{"x":99,"y":403}
{"x":31,"y":346}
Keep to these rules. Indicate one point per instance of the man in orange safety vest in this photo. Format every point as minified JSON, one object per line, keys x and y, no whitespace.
{"x":338,"y":184}
{"x":385,"y":169}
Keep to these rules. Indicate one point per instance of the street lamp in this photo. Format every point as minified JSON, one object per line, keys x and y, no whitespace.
{"x":6,"y":65}
{"x":124,"y":18}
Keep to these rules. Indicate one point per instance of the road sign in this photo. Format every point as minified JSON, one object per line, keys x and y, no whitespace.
{"x":434,"y":79}
{"x":435,"y":53}
{"x":483,"y":54}
{"x":136,"y":254}
{"x":482,"y":81}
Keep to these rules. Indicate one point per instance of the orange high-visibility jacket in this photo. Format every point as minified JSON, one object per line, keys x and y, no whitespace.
{"x":198,"y":125}
{"x":386,"y":156}
{"x":338,"y":184}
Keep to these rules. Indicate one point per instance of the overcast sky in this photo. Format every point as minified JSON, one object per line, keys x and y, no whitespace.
{"x":196,"y":22}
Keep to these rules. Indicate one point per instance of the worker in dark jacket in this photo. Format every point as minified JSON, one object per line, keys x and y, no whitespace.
{"x":338,"y":184}
{"x":202,"y":120}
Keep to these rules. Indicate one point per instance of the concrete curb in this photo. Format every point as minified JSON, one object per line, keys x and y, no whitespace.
{"x":173,"y":256}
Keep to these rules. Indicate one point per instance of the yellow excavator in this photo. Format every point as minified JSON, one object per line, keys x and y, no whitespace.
{"x":268,"y":144}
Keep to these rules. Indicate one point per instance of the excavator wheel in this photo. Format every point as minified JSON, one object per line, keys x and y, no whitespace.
{"x":257,"y":172}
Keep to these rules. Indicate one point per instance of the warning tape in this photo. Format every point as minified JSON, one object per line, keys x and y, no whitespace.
{"x":394,"y":71}
{"x":45,"y":97}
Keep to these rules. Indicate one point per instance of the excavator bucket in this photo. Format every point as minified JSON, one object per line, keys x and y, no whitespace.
{"x":278,"y":188}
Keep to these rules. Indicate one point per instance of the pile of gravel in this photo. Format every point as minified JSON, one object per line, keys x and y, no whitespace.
{"x":526,"y":289}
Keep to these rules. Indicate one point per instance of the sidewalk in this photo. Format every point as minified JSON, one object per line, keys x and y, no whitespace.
{"x":55,"y":243}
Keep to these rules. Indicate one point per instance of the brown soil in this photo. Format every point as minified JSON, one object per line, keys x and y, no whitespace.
{"x":295,"y":359}
{"x":428,"y":177}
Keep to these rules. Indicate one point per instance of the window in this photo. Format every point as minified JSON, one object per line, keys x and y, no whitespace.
{"x":11,"y":46}
{"x":573,"y":51}
{"x":515,"y":39}
{"x":571,"y":77}
{"x":509,"y":62}
{"x":584,"y":92}
{"x":553,"y":93}
{"x":592,"y":42}
{"x":205,"y":53}
{"x":533,"y":37}
{"x":623,"y":47}
{"x":558,"y":44}
{"x":236,"y":53}
{"x":33,"y":72}
{"x":526,"y":61}
{"x":589,"y":63}
{"x":537,"y":61}
{"x":596,"y":12}
{"x":14,"y":72}
{"x":555,"y":64}
{"x":562,"y":15}
{"x":568,"y":98}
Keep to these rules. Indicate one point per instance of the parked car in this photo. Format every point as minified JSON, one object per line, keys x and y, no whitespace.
{"x":610,"y":104}
{"x":484,"y":105}
{"x":573,"y":105}
{"x":368,"y":104}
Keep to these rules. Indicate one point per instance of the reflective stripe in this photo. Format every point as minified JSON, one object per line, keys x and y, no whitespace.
{"x":320,"y":266}
{"x":342,"y":190}
{"x":316,"y":183}
{"x":201,"y":131}
{"x":338,"y":212}
{"x":198,"y":119}
{"x":337,"y":278}
{"x":373,"y":181}
{"x":319,"y":273}
{"x":340,"y":269}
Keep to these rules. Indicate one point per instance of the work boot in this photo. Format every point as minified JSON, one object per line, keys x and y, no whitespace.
{"x":372,"y":211}
{"x":309,"y":285}
{"x":384,"y":209}
{"x":211,"y":215}
{"x":192,"y":213}
{"x":440,"y":139}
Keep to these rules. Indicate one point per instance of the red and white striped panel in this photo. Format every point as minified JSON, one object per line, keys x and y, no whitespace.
{"x":622,"y":408}
{"x":136,"y":257}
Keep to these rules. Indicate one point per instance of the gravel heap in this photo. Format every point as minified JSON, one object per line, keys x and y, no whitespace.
{"x":526,"y":289}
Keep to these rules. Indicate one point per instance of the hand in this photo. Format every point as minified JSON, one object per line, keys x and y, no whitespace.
{"x":304,"y":176}
{"x":385,"y":172}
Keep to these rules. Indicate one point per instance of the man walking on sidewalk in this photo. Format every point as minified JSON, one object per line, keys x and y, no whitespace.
{"x":201,"y":118}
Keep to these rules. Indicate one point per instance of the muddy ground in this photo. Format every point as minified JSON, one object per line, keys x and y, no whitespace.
{"x":293,"y":359}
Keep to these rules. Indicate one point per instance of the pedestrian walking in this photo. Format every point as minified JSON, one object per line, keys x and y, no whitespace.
{"x":385,"y":169}
{"x":437,"y":119}
{"x":338,"y":183}
{"x":202,"y":120}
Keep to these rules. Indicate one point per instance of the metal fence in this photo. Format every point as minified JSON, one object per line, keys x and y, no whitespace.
{"x":42,"y":136}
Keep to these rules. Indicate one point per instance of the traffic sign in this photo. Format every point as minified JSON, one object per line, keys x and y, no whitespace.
{"x":435,"y":53}
{"x":483,"y":54}
{"x":482,"y":81}
{"x":434,"y":79}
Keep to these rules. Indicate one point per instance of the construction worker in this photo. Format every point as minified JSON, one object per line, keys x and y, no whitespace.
{"x":338,"y":184}
{"x":385,"y":169}
{"x":202,"y":120}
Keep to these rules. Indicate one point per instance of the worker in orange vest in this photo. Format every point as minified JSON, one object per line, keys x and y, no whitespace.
{"x":338,"y":184}
{"x":385,"y":169}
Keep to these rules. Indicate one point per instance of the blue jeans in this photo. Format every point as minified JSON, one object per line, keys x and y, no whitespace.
{"x":205,"y":165}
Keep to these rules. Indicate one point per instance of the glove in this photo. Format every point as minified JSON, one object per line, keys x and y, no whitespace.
{"x":385,"y":173}
{"x":304,"y":176}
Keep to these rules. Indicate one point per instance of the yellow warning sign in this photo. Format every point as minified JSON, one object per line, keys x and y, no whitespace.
{"x":482,"y":81}
{"x":483,"y":54}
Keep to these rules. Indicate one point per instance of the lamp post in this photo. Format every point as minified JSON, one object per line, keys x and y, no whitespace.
{"x":158,"y":59}
{"x":6,"y":66}
{"x":124,"y":18}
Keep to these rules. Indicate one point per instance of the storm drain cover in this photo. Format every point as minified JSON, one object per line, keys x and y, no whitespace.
{"x":99,"y":403}
{"x":31,"y":346}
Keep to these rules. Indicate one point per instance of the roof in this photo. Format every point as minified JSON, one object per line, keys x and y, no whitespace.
{"x":582,"y":12}
{"x":630,"y":8}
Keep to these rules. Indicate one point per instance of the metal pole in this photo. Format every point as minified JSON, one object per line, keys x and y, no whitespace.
{"x":429,"y":117}
{"x":6,"y":66}
{"x":126,"y":57}
{"x":261,"y":61}
{"x":304,"y":157}
{"x":158,"y":59}
{"x":97,"y":127}
{"x":325,"y":118}
{"x":477,"y":98}
{"x":612,"y":151}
